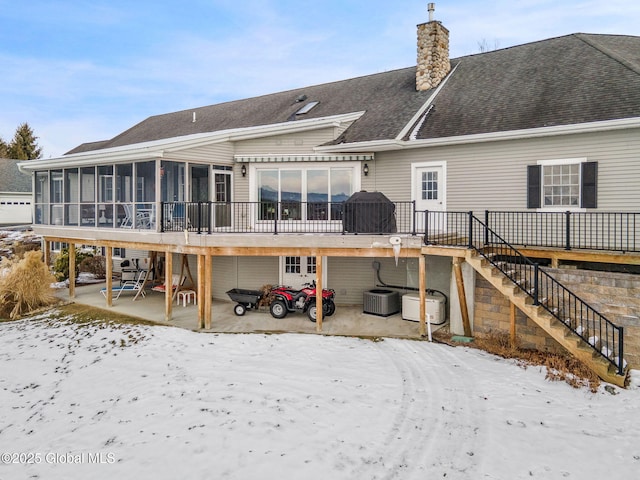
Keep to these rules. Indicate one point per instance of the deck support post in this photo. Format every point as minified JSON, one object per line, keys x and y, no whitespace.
{"x":109,"y":274}
{"x":206,"y":299}
{"x":72,"y":270}
{"x":46,"y":251}
{"x":168,"y":287}
{"x":200,"y":290}
{"x":462,"y":297}
{"x":512,"y":326}
{"x":319,"y":287}
{"x":422,"y":284}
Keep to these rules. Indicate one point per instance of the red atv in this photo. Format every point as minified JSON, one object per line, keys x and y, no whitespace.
{"x":288,"y":300}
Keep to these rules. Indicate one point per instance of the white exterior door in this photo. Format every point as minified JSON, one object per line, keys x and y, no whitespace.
{"x":294,"y":271}
{"x":429,"y":194}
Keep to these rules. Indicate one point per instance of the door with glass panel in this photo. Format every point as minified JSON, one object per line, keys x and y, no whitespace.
{"x":296,"y":271}
{"x":199,"y":212}
{"x":222,"y":196}
{"x":429,"y":196}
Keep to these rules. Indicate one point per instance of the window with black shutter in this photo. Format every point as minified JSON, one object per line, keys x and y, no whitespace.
{"x":562,"y":185}
{"x":589,"y":196}
{"x":534,"y":192}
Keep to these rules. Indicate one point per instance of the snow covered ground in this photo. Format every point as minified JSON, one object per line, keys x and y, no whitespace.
{"x":131,"y":402}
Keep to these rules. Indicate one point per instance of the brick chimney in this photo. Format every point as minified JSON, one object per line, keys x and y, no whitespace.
{"x":433,"y":53}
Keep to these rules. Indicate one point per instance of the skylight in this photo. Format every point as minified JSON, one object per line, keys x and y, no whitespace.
{"x":307,"y":108}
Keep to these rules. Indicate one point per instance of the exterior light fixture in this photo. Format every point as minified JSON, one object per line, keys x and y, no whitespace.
{"x":243,"y":170}
{"x":365,"y":169}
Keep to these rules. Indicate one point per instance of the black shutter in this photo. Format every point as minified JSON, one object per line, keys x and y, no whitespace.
{"x":589,"y":190}
{"x":533,"y":186}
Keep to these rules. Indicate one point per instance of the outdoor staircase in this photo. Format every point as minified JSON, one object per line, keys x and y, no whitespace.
{"x":593,"y":340}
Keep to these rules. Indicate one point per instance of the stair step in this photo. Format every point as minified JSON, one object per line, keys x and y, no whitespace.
{"x":545,"y":314}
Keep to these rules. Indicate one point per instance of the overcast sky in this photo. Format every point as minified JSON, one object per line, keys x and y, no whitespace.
{"x":80,"y":71}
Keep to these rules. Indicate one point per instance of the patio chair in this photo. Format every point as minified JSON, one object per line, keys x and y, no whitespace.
{"x":127,"y":221}
{"x":176,"y":281}
{"x":146,"y":216}
{"x":177,"y":219}
{"x":133,"y":286}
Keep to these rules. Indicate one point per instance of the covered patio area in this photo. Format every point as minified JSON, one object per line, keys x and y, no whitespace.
{"x":347,"y":320}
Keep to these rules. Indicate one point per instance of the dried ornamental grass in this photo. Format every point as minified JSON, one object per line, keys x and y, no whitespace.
{"x":559,"y":367}
{"x":25,"y":285}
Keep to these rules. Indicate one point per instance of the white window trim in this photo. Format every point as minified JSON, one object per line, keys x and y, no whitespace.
{"x":560,"y":161}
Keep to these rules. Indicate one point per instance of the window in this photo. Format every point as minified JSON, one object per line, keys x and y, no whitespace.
{"x":292,"y":264}
{"x":562,"y":184}
{"x":311,"y":265}
{"x":429,"y":185}
{"x":313,"y":193}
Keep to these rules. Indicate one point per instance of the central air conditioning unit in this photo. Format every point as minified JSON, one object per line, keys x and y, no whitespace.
{"x":381,"y":302}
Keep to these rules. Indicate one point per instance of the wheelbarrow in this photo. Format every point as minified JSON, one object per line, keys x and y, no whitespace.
{"x":245,"y":299}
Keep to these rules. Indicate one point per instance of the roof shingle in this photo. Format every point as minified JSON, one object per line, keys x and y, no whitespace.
{"x":574,"y":79}
{"x":566,"y":80}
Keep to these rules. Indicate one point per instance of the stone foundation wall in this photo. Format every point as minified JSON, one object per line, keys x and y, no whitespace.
{"x":615,"y":295}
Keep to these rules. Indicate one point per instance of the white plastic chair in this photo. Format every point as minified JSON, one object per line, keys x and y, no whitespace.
{"x":127,"y":221}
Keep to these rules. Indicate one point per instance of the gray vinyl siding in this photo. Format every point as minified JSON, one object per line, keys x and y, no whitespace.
{"x":217,"y":153}
{"x":351,"y":277}
{"x":303,"y":142}
{"x":243,"y":272}
{"x":478,"y":174}
{"x":298,"y":143}
{"x":240,"y":185}
{"x":492,"y":175}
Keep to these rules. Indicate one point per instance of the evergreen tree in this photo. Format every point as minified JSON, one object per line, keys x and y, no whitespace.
{"x":4,"y":149}
{"x":24,"y":145}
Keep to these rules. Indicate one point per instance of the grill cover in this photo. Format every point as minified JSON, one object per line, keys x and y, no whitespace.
{"x":369,"y":212}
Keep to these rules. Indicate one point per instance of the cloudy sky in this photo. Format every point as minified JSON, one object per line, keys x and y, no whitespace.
{"x":80,"y":71}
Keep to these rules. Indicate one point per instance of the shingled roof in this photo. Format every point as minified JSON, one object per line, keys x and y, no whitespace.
{"x":12,"y":179}
{"x":566,"y":80}
{"x":389,"y":99}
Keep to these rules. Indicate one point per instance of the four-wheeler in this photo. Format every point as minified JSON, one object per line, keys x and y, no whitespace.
{"x":286,"y":299}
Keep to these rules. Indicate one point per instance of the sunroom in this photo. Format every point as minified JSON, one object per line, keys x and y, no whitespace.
{"x":125,"y":195}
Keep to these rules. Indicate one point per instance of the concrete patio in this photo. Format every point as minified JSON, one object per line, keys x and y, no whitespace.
{"x":347,"y":320}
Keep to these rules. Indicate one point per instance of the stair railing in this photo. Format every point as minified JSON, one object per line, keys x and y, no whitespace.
{"x":604,"y":337}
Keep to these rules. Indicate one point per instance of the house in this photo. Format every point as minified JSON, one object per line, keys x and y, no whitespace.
{"x":15,"y":194}
{"x":535,"y":146}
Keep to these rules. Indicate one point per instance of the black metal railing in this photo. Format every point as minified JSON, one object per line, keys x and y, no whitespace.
{"x":613,"y":231}
{"x":463,"y":229}
{"x":445,"y":228}
{"x":289,"y":217}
